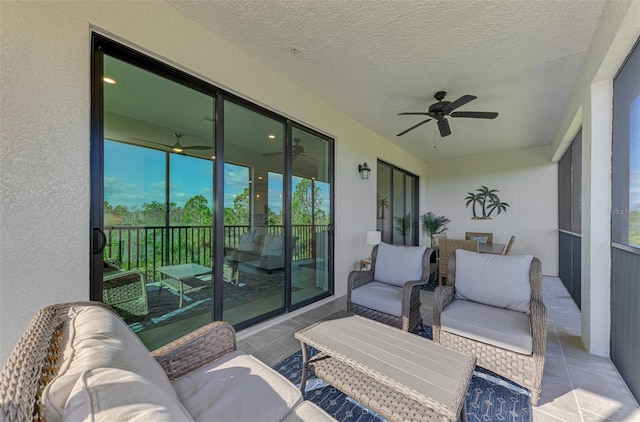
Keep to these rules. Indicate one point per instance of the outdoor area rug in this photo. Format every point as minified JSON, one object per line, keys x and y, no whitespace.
{"x":489,"y":398}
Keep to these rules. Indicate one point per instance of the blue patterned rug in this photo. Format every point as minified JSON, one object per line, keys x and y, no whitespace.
{"x":490,"y":397}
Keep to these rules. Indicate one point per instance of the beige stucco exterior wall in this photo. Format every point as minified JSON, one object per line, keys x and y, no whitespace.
{"x":44,"y":134}
{"x":526,"y":180}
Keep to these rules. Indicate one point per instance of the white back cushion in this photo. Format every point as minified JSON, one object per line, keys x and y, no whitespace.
{"x":398,"y":264}
{"x":95,"y":338}
{"x":496,"y":280}
{"x":112,"y":394}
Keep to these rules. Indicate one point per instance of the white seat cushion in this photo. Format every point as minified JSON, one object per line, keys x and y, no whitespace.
{"x":111,"y":394}
{"x":95,"y":337}
{"x":237,"y":387}
{"x":382,"y":297}
{"x":310,"y":412}
{"x":398,"y":264}
{"x":496,"y":280}
{"x":497,"y":326}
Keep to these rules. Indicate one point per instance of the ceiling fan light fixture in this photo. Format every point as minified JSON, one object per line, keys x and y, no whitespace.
{"x":177,"y":148}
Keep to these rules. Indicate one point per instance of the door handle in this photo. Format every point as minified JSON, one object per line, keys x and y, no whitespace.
{"x":97,"y":234}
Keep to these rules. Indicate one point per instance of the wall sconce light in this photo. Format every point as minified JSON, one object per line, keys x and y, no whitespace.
{"x":364,"y":170}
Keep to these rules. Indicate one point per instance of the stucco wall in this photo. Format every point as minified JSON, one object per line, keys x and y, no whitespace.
{"x":44,"y":134}
{"x":526,"y":180}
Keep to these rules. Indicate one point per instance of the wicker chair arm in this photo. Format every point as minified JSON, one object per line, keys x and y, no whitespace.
{"x":538,"y":318}
{"x":123,"y":273}
{"x":196,"y":349}
{"x":444,"y":295}
{"x":359,"y":278}
{"x":407,"y":288}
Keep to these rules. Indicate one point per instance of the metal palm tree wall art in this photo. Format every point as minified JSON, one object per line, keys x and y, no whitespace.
{"x":488,"y":200}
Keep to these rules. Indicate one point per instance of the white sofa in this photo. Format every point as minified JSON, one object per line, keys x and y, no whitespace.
{"x":80,"y":362}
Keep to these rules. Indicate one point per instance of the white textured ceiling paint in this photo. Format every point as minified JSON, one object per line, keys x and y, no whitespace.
{"x":374,"y":59}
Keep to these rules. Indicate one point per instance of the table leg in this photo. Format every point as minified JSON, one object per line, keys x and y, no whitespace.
{"x":305,"y":361}
{"x":181,"y":293}
{"x":463,"y":412}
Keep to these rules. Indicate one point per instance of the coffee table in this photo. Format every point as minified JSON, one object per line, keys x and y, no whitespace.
{"x":399,"y":375}
{"x":184,"y":277}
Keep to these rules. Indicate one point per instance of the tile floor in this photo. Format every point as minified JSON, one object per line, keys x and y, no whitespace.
{"x":576,"y":386}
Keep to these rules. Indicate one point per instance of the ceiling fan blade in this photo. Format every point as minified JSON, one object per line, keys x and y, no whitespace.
{"x":475,"y":114}
{"x":309,"y":157}
{"x":197,"y":147}
{"x":151,"y":142}
{"x":443,"y":125}
{"x":458,"y":103}
{"x":413,"y":127}
{"x":272,"y":154}
{"x":414,"y":113}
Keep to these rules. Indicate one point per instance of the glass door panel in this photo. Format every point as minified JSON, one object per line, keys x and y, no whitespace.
{"x":397,"y":205}
{"x":383,"y":208}
{"x":254,"y":261}
{"x":311,"y":195}
{"x":399,"y":213}
{"x":158,"y":198}
{"x":409,"y":216}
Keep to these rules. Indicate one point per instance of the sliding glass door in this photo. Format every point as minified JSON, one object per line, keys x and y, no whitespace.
{"x":311,"y":216}
{"x":397,"y":205}
{"x":204,"y":206}
{"x":158,"y":199}
{"x":254,"y":235}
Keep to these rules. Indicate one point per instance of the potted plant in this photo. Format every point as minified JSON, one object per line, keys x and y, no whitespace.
{"x":434,"y":224}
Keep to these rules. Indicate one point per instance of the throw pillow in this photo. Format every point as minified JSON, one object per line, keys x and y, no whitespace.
{"x":398,"y":264}
{"x":495,"y":280}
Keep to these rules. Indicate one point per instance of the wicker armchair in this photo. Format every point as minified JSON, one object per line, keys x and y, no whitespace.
{"x":523,"y":368}
{"x":407,"y":295}
{"x":446,"y":248}
{"x":126,"y":291}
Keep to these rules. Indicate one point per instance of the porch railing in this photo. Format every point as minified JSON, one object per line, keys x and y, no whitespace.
{"x":146,"y":247}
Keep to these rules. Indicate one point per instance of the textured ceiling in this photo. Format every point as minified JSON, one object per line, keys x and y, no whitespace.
{"x":374,"y":59}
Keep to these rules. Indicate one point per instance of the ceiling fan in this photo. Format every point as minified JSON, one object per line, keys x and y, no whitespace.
{"x":177,"y":147}
{"x":441,"y":109}
{"x":296,"y":150}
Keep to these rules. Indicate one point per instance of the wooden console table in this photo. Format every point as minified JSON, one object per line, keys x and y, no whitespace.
{"x":399,"y":375}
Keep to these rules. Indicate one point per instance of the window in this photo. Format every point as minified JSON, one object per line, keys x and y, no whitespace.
{"x":570,"y":218}
{"x":625,"y":219}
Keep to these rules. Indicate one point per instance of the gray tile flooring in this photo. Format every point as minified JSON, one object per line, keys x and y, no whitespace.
{"x":577,"y":386}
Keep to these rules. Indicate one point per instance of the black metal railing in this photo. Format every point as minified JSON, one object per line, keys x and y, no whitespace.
{"x":145,"y":248}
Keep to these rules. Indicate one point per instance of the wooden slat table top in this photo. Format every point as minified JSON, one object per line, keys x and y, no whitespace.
{"x":412,"y":364}
{"x":493,"y":248}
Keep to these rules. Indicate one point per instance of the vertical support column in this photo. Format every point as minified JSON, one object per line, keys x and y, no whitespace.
{"x":596,"y":218}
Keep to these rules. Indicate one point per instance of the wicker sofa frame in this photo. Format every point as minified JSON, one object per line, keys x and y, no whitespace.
{"x":525,"y":370}
{"x":36,"y":359}
{"x":411,"y":317}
